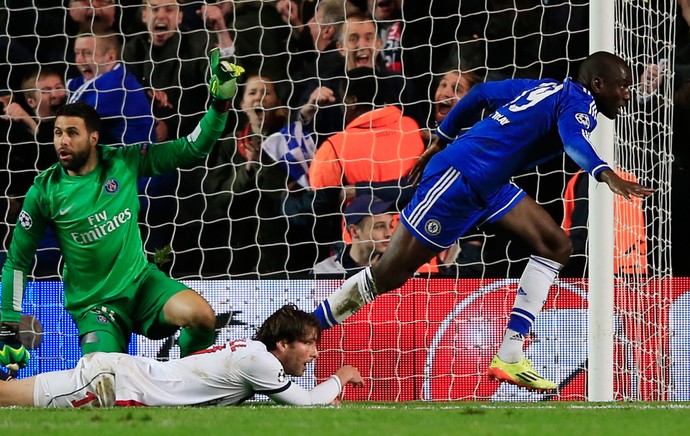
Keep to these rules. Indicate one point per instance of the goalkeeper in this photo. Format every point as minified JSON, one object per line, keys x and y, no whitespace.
{"x":89,"y":198}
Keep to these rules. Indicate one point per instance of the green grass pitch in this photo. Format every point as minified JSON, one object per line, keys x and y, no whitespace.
{"x":414,"y":418}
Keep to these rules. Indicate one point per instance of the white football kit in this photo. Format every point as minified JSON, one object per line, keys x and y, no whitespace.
{"x":221,"y":375}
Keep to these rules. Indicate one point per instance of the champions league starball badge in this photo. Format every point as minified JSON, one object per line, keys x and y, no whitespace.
{"x":25,"y":220}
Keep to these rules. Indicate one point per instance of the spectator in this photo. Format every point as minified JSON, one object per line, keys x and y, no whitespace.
{"x":30,"y":35}
{"x":170,"y":62}
{"x":379,"y":143}
{"x":373,"y":154}
{"x":107,"y":85}
{"x":454,"y":85}
{"x":30,"y":149}
{"x":369,"y":222}
{"x":252,"y":178}
{"x":94,"y":16}
{"x":44,"y":93}
{"x":388,"y":17}
{"x":359,"y":46}
{"x":258,"y":34}
{"x":316,"y":51}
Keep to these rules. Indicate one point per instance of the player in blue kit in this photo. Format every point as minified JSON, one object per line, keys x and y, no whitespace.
{"x":466,"y":182}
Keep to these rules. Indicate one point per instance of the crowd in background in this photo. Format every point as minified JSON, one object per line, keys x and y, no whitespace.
{"x":338,"y":100}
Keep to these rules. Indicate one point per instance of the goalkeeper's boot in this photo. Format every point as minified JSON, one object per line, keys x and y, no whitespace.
{"x":521,"y":374}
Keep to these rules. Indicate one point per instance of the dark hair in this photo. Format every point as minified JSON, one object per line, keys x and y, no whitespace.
{"x":362,"y":84}
{"x":287,"y":323}
{"x":81,"y":110}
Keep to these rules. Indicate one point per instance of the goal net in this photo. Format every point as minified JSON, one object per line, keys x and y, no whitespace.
{"x":245,"y":228}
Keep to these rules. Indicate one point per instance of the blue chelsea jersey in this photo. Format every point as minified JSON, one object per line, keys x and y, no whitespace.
{"x":125,"y":110}
{"x":534,"y":121}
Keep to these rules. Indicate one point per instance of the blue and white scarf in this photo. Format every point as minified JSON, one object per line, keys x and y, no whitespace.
{"x":293,"y":149}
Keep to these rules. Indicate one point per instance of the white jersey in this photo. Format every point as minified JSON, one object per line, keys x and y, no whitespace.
{"x":221,"y":375}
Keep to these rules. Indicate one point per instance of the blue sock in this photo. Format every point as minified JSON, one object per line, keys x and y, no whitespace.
{"x":325,"y":316}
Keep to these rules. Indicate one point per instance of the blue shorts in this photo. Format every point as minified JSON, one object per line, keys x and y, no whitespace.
{"x":445,"y":206}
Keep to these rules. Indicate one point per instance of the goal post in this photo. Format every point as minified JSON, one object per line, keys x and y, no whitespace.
{"x":601,"y":229}
{"x":613,"y":326}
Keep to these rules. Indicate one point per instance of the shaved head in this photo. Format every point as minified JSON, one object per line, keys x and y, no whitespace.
{"x":603,"y":64}
{"x":608,"y":78}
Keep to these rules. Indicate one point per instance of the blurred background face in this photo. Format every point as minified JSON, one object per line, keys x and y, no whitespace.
{"x":359,"y":44}
{"x":93,"y":57}
{"x":452,"y":87}
{"x":260,"y":102}
{"x":383,"y":10}
{"x":317,"y":28}
{"x":93,"y":15}
{"x":50,"y":95}
{"x":162,"y":19}
{"x":374,"y":233}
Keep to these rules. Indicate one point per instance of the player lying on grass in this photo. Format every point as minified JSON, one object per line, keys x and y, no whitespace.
{"x":466,"y":181}
{"x":221,"y":375}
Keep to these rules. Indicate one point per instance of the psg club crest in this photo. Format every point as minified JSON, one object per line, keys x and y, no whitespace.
{"x":111,"y":186}
{"x":25,"y":220}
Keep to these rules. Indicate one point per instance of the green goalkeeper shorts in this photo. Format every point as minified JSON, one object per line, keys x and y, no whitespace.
{"x":107,"y":326}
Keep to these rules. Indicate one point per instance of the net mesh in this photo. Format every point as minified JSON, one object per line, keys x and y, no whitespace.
{"x":225,"y":218}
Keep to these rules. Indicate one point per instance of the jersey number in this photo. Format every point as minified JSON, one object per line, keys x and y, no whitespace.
{"x":534,"y":96}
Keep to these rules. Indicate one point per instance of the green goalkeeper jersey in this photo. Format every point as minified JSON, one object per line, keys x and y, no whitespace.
{"x":94,"y":217}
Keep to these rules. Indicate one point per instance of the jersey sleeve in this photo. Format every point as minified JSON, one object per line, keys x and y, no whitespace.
{"x":153,"y":159}
{"x":575,"y":125}
{"x":25,"y":239}
{"x":264,"y":374}
{"x":488,"y":95}
{"x":324,"y":393}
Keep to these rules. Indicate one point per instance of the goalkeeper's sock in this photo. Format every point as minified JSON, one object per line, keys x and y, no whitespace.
{"x":534,"y":287}
{"x":193,"y":340}
{"x":354,"y":293}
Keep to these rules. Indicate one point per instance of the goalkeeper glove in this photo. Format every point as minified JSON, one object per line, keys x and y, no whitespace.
{"x":13,"y":355}
{"x":223,"y":77}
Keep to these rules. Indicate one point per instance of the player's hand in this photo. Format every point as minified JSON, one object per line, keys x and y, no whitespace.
{"x":625,"y":188}
{"x":348,"y":374}
{"x":416,"y":172}
{"x":223,"y":77}
{"x":13,"y":355}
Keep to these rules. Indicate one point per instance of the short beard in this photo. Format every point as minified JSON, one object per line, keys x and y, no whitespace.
{"x":78,"y":162}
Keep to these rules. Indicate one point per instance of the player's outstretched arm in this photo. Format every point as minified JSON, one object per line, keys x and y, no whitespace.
{"x":624,"y":187}
{"x":324,"y":393}
{"x":348,"y":374}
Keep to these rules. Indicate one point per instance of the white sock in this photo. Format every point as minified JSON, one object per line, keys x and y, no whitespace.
{"x":511,"y":347}
{"x":354,"y":293}
{"x":532,"y":292}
